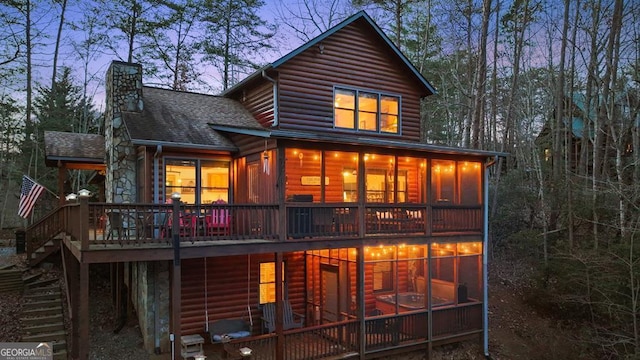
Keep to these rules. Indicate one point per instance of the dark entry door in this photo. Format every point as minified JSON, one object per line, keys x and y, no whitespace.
{"x":330,"y":293}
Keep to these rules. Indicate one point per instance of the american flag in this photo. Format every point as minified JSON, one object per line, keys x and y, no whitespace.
{"x":30,"y":192}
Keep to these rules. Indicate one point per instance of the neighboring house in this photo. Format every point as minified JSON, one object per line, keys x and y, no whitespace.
{"x":304,"y":186}
{"x":578,"y":134}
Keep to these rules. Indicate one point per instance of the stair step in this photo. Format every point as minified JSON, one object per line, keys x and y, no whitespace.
{"x":42,"y":312}
{"x":31,"y":278}
{"x":45,"y":337}
{"x":42,"y":290}
{"x":60,"y":355}
{"x":44,"y":328}
{"x":42,"y":304}
{"x":60,"y":345}
{"x":10,"y":274}
{"x":40,"y":297}
{"x":7,"y":267}
{"x":41,"y":320}
{"x":11,"y":287}
{"x":11,"y":281}
{"x":41,"y":283}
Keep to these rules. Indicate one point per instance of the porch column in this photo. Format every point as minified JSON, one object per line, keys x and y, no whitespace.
{"x":176,"y":279}
{"x":282,"y":213}
{"x":279,"y":308}
{"x":73,"y":280}
{"x":62,"y":176}
{"x":362,"y":338}
{"x":83,"y":312}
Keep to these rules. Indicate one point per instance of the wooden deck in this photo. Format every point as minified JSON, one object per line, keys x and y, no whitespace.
{"x":105,"y":226}
{"x":340,"y":340}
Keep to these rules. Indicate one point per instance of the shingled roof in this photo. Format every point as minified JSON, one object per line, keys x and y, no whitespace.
{"x":73,"y":148}
{"x":185,"y":119}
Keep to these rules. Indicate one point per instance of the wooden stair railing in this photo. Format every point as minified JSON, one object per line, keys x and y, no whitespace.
{"x":47,"y":228}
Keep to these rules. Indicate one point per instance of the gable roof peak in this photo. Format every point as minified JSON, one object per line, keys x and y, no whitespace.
{"x":315,"y":41}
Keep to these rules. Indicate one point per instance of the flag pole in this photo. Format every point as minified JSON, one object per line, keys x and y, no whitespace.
{"x":52,"y":193}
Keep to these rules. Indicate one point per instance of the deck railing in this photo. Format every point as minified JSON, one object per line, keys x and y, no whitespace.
{"x":153,"y":223}
{"x":455,"y":218}
{"x":386,"y":331}
{"x":449,"y":321}
{"x":47,"y":227}
{"x":134,"y":224}
{"x":338,"y":340}
{"x":262,"y":347}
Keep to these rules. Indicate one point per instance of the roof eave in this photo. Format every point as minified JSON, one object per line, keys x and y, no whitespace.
{"x":439,"y":149}
{"x":248,"y":79}
{"x":243,"y":131}
{"x":177,"y":145}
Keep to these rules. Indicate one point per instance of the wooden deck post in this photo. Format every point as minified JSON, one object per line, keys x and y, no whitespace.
{"x":83,"y":312}
{"x":176,"y":283}
{"x":84,"y":222}
{"x":282,"y":210}
{"x":362,"y":212}
{"x":62,"y":177}
{"x":73,"y":278}
{"x":362,"y":336}
{"x":279,"y":308}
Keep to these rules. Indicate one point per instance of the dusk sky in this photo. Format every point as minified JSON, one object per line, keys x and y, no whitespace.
{"x":273,"y":11}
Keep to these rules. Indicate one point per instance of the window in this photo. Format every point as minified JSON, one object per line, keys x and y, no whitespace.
{"x":268,"y":282}
{"x":197,"y":181}
{"x":366,"y":111}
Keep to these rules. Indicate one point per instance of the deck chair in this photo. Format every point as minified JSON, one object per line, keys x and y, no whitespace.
{"x":218,"y":220}
{"x":120,"y":225}
{"x":291,"y":320}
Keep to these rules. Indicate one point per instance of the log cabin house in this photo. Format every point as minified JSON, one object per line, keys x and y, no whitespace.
{"x":303,"y":189}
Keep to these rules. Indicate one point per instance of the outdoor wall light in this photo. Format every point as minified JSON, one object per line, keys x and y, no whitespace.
{"x":84,"y":193}
{"x":71,"y":197}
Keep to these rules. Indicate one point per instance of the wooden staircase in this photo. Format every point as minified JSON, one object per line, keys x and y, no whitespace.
{"x":10,"y":279}
{"x":43,"y":317}
{"x":41,"y":253}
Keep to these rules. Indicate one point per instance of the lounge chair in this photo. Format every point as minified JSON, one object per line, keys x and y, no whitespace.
{"x":291,"y":320}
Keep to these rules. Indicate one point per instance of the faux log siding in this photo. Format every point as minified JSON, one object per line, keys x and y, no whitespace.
{"x":227,"y":289}
{"x":351,"y":58}
{"x":259,"y":102}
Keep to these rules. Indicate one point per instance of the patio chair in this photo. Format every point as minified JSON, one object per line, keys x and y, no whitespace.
{"x":121,"y":225}
{"x":218,"y":220}
{"x":291,"y":320}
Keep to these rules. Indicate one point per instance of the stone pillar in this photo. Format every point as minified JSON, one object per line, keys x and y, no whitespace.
{"x":123,"y":94}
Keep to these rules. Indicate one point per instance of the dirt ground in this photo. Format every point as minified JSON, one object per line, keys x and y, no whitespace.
{"x":516,"y":331}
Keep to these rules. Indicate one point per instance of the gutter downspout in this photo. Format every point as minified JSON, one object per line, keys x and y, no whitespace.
{"x":276,"y":116}
{"x":156,"y":291}
{"x":156,"y":170}
{"x":485,"y":256}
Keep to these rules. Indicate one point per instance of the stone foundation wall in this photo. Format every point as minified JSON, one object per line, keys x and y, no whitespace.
{"x":146,"y":276}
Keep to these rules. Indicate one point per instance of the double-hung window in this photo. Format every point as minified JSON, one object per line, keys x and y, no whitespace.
{"x":366,"y":111}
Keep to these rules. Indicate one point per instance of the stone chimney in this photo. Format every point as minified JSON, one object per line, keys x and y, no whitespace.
{"x":124,"y":95}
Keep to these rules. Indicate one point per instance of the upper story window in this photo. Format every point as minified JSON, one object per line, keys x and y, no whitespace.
{"x":366,"y":111}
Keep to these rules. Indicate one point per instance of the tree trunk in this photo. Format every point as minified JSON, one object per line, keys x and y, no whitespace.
{"x":63,"y":8}
{"x":477,"y":136}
